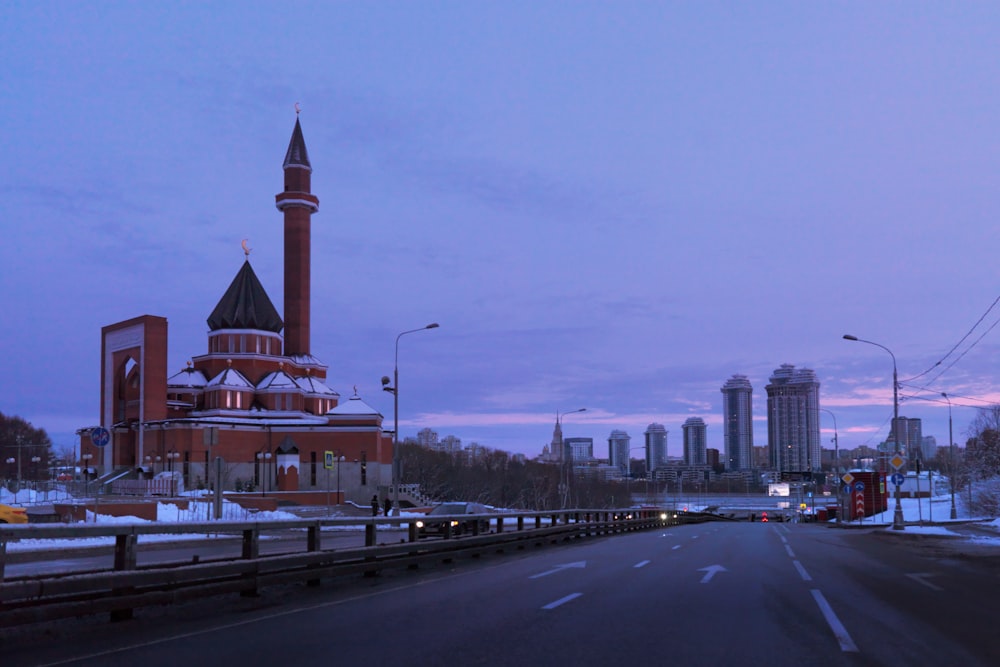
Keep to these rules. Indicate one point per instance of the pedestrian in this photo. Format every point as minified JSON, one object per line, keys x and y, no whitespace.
{"x":375,"y":505}
{"x":388,"y":505}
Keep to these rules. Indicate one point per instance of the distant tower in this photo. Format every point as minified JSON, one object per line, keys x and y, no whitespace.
{"x":656,"y":447}
{"x":737,"y":425}
{"x":298,"y":204}
{"x":618,"y":450}
{"x":793,"y":420}
{"x":695,"y":441}
{"x":557,"y":448}
{"x":910,"y":432}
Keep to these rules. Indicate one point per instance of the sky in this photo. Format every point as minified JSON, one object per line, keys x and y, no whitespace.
{"x":610,"y":206}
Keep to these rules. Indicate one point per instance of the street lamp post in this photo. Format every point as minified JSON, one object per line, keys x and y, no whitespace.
{"x":951,"y":459}
{"x":565,"y":458}
{"x":394,"y":390}
{"x":836,"y":465}
{"x":897,"y":515}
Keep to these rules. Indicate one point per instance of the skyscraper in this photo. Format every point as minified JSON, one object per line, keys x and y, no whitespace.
{"x":793,"y":420}
{"x":737,"y":415}
{"x":618,"y":450}
{"x":910,"y":434}
{"x":656,"y":447}
{"x":695,"y":441}
{"x":580,"y":450}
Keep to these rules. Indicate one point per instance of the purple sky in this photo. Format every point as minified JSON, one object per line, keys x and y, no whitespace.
{"x":614,"y":206}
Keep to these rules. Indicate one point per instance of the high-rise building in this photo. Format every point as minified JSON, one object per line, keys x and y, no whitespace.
{"x":580,"y":450}
{"x":909,"y":434}
{"x":695,"y":441}
{"x":793,"y":420}
{"x":656,"y":447}
{"x":618,"y":450}
{"x":737,"y":425}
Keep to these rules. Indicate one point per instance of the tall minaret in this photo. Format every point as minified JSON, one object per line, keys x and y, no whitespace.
{"x":298,"y":204}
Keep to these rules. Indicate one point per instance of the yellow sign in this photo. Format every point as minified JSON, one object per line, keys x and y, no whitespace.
{"x":847,"y":478}
{"x":897,"y":462}
{"x":802,"y":506}
{"x":328,"y":460}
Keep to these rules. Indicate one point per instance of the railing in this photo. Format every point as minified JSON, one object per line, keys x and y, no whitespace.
{"x":120,"y":590}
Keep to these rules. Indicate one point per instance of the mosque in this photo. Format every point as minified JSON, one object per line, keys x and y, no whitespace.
{"x":257,"y":399}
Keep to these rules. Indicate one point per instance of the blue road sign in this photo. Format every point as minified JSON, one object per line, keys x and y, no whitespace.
{"x":100,"y":436}
{"x":859,"y":486}
{"x":898,"y":479}
{"x":847,"y":489}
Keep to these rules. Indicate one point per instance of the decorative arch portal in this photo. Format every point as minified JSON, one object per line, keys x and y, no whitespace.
{"x":133,"y":385}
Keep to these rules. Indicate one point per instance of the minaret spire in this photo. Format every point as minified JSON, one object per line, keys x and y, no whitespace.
{"x":298,"y":204}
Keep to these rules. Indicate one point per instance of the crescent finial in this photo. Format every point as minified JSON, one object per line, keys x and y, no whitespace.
{"x":246,"y":250}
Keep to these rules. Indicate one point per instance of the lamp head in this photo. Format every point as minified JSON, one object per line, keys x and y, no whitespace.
{"x":432,"y":325}
{"x":850,"y":337}
{"x":385,"y":380}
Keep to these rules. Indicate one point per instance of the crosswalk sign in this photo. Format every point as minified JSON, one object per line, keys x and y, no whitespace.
{"x":328,"y":460}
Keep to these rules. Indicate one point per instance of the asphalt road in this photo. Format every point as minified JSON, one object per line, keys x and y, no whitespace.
{"x":708,"y":594}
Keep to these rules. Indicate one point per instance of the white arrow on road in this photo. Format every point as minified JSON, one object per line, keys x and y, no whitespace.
{"x":559,"y":568}
{"x":710,"y":572}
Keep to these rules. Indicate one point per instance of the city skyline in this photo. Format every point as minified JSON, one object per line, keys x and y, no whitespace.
{"x":610,"y":207}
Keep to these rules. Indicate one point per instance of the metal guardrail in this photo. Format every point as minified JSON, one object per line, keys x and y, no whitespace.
{"x":126,"y":587}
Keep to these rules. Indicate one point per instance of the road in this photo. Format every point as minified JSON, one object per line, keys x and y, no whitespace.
{"x":708,"y":594}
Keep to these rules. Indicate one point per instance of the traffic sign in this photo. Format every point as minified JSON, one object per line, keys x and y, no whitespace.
{"x":859,"y":486}
{"x":847,"y":489}
{"x":847,"y":478}
{"x":328,"y":459}
{"x":897,"y":462}
{"x":898,"y":479}
{"x":100,"y":436}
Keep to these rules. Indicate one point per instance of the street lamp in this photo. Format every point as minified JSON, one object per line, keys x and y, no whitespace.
{"x":565,"y":460}
{"x":34,"y":465}
{"x":897,"y":515}
{"x":394,"y":390}
{"x":836,"y":465}
{"x":951,"y":459}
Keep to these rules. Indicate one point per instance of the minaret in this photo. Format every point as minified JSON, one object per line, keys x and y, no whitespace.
{"x":298,"y":204}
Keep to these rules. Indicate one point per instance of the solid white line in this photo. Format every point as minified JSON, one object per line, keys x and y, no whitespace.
{"x":839,"y":631}
{"x":641,"y":563}
{"x":802,"y":571}
{"x":561,"y":601}
{"x":920,"y":578}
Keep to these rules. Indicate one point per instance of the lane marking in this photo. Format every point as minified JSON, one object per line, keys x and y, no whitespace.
{"x":559,"y":568}
{"x":710,"y":572}
{"x":788,"y":548}
{"x":641,"y":563}
{"x":802,"y":571}
{"x":676,"y":546}
{"x":561,"y":601}
{"x":847,"y":644}
{"x":921,"y":577}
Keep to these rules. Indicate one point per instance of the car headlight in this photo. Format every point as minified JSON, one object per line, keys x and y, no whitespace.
{"x":420,"y":524}
{"x":454,"y":523}
{"x":663,"y":516}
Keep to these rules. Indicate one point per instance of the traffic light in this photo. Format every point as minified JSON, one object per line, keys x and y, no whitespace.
{"x":763,"y":517}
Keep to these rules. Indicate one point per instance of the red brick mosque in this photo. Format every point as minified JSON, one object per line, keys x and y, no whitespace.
{"x":257,"y":397}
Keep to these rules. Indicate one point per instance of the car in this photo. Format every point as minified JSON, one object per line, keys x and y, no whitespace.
{"x":454,"y":525}
{"x":10,"y":514}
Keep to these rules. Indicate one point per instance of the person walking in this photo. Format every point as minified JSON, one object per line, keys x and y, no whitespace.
{"x":388,"y":505}
{"x":375,"y":505}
